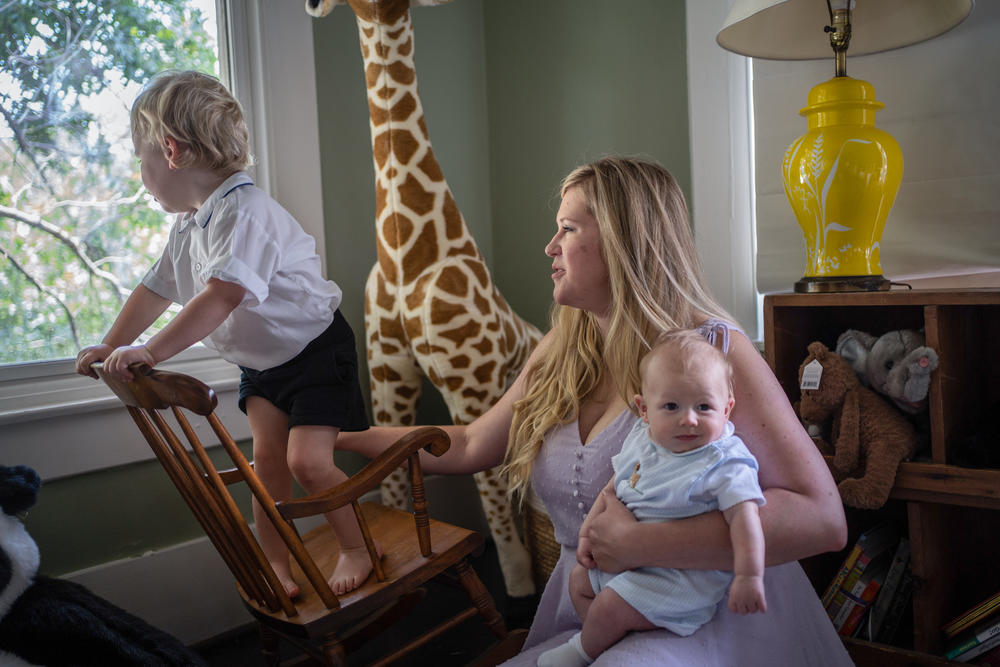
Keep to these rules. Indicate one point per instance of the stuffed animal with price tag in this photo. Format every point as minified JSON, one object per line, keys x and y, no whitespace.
{"x":867,"y":437}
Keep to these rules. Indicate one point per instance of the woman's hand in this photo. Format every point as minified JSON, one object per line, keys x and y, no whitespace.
{"x":609,"y":534}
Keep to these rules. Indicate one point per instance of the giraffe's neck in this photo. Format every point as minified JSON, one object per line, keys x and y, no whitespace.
{"x":415,"y":207}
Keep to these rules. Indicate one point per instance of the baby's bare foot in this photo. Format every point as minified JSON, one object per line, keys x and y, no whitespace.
{"x":353,"y":567}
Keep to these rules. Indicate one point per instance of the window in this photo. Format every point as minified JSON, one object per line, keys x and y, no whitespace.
{"x":77,"y":229}
{"x":268,"y":48}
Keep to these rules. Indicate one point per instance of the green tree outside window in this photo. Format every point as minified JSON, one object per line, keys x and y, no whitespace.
{"x":77,"y":228}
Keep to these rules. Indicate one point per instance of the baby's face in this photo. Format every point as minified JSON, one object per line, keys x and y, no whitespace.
{"x":685,"y":410}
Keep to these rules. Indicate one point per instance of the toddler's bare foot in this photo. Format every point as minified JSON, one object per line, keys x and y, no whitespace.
{"x":353,"y":567}
{"x":284,"y":575}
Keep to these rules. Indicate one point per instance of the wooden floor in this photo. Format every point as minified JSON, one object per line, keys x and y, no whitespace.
{"x":461,"y":646}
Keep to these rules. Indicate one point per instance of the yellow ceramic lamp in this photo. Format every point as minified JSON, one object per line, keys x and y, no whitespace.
{"x":841,"y":179}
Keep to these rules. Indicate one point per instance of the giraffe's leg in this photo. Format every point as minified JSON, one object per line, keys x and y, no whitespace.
{"x":396,"y":386}
{"x":515,"y":562}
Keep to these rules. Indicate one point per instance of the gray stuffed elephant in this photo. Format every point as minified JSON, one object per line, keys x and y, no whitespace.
{"x":896,"y":364}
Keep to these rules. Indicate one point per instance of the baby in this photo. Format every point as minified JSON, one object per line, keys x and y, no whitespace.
{"x":679,"y":460}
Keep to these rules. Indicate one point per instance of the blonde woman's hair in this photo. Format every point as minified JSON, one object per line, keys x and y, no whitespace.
{"x":656,"y":286}
{"x":197,"y":110}
{"x":686,"y":348}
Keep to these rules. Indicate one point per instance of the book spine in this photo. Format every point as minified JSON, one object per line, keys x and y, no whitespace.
{"x":850,"y":602}
{"x":854,"y":618}
{"x":989,"y":632}
{"x":956,"y":625}
{"x":979,"y":649}
{"x":896,"y":609}
{"x":838,"y":579}
{"x":900,"y":561}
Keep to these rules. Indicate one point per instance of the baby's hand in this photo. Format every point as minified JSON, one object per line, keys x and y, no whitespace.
{"x":583,"y":555}
{"x":746,"y":594}
{"x":91,"y":355}
{"x":118,"y":362}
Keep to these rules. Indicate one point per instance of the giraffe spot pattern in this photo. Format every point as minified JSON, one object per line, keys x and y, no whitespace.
{"x":479,"y":271}
{"x":461,"y":361}
{"x":421,"y":255}
{"x":401,"y":73}
{"x":484,"y":346}
{"x":484,"y":373}
{"x":454,"y":225}
{"x":403,"y":109}
{"x":460,"y":334}
{"x":417,"y":198}
{"x":429,"y":166}
{"x":482,"y":303}
{"x":396,"y":230}
{"x":443,"y":311}
{"x":428,"y":349}
{"x":453,"y":281}
{"x":469,"y":392}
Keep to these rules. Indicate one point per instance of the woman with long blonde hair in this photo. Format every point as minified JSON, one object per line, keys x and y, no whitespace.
{"x":624,"y":270}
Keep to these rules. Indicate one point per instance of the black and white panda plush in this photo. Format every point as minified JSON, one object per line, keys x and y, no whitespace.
{"x":54,"y":622}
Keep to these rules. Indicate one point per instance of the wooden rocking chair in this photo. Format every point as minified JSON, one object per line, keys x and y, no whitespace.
{"x":322,"y":624}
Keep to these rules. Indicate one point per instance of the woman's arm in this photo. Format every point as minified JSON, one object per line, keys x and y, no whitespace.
{"x":477,"y":446}
{"x":803,"y":515}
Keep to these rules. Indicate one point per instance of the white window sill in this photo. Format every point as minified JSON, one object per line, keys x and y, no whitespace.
{"x":63,"y":424}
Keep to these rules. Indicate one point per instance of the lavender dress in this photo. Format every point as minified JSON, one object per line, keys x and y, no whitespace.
{"x":794,"y":630}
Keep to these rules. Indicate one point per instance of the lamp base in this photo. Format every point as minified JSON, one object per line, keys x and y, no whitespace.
{"x":842,"y":284}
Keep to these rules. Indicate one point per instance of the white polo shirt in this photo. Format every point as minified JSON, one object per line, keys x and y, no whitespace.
{"x":241,"y":235}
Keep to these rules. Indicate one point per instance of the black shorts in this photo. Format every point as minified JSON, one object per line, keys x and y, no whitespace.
{"x":319,"y":387}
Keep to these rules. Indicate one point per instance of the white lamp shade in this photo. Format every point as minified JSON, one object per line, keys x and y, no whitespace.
{"x":793,"y":29}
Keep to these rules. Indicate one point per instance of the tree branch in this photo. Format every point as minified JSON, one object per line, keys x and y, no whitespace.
{"x":39,"y":223}
{"x":44,"y":290}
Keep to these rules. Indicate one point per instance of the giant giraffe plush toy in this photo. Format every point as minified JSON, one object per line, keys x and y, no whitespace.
{"x":430,"y":303}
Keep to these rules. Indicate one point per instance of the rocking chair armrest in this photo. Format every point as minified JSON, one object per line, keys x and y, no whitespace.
{"x":430,"y":438}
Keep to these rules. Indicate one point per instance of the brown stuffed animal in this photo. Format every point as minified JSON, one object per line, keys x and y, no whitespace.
{"x":869,"y":437}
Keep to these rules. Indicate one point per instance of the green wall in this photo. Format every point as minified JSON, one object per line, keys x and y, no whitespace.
{"x":516,"y":93}
{"x":568,"y":83}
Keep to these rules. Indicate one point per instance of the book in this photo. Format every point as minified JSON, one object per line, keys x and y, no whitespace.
{"x":970,"y":616}
{"x":860,"y":598}
{"x":870,"y":545}
{"x":979,"y":649}
{"x":900,"y":561}
{"x":898,"y":606}
{"x":973,"y":639}
{"x":991,"y":658}
{"x":838,"y":579}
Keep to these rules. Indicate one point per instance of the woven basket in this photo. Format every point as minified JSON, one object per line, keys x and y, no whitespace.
{"x":541,"y":543}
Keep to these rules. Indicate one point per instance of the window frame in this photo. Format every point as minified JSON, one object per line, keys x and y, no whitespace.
{"x":720,"y":87}
{"x":269,"y":47}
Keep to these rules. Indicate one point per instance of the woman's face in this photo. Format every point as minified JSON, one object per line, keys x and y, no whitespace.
{"x":579,"y":272}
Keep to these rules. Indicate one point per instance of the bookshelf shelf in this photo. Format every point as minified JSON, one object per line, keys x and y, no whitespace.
{"x":950,"y":513}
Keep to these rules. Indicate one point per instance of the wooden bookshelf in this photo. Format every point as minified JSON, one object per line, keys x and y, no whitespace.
{"x":949,"y":512}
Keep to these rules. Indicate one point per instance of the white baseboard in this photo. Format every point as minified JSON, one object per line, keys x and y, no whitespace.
{"x":185,"y":590}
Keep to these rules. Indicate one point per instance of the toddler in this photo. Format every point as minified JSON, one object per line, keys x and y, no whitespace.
{"x":249,"y":282}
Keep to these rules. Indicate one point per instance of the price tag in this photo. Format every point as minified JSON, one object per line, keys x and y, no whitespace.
{"x":811,"y":375}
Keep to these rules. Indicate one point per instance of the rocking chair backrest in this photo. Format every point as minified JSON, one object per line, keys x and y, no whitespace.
{"x":205,"y":489}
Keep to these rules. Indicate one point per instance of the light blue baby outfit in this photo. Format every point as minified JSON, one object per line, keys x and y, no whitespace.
{"x":667,"y":486}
